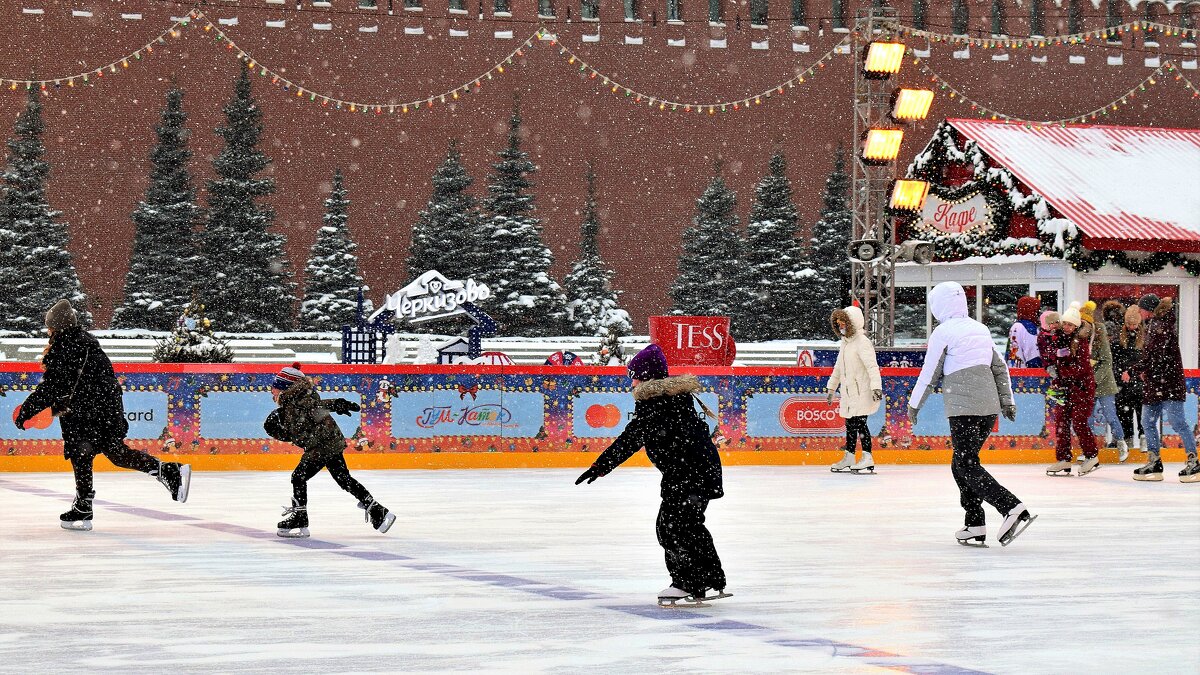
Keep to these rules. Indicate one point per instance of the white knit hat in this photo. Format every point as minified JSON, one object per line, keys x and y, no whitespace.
{"x":1071,"y":316}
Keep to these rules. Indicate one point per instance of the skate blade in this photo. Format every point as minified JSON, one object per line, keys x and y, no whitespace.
{"x":185,"y":482}
{"x":859,"y":472}
{"x":1084,"y":473}
{"x":682,"y":603}
{"x":1154,"y":477}
{"x":1063,"y":472}
{"x":294,"y":533}
{"x":845,"y":470}
{"x":1017,"y":532}
{"x":76,"y":525}
{"x":387,"y":523}
{"x":973,"y":543}
{"x":718,"y":596}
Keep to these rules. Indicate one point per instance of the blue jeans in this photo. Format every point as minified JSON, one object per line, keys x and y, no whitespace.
{"x":1106,"y":409}
{"x":1173,"y":411}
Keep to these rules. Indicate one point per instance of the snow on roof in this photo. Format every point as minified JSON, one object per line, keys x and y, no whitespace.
{"x":1122,"y":186}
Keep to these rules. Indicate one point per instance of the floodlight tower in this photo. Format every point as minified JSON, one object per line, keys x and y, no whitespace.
{"x":880,"y":111}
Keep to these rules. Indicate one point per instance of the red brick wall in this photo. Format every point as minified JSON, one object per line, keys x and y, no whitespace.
{"x":651,"y":165}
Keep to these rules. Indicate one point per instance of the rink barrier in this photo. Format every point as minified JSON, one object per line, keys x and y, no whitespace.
{"x":439,"y":417}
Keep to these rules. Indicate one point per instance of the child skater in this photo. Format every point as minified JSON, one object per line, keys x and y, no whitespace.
{"x":666,"y":423}
{"x":303,"y":419}
{"x":1072,"y":361}
{"x":856,"y":372}
{"x":81,"y":390}
{"x":975,"y":389}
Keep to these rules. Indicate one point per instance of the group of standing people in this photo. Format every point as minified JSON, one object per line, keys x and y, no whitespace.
{"x":1121,"y":367}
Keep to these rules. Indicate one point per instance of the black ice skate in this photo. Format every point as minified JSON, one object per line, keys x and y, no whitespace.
{"x":1152,"y":470}
{"x":1062,"y":468}
{"x":1017,"y":521}
{"x":677,"y":597}
{"x":295,"y":526}
{"x":80,"y":516}
{"x":1191,"y":472}
{"x":972,"y":536}
{"x":177,"y":478}
{"x":1089,"y":465}
{"x":864,"y":465}
{"x":379,"y":517}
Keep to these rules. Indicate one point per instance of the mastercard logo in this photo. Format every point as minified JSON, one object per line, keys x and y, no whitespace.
{"x":602,"y":416}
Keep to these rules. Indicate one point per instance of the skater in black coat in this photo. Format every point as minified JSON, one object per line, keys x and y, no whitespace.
{"x":303,"y":419}
{"x":665,"y":422}
{"x":81,"y":390}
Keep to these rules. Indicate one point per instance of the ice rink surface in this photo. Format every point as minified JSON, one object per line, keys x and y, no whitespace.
{"x":521,"y":571}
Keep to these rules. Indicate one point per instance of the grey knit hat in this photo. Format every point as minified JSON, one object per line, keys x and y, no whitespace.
{"x":61,"y":316}
{"x":1149,"y":302}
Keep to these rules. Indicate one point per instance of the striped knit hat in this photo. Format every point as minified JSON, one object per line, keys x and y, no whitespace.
{"x":287,"y":377}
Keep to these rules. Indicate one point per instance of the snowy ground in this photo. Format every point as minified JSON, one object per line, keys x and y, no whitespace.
{"x":523,"y":572}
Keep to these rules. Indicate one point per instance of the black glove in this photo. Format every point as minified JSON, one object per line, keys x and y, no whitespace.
{"x":1009,"y":412}
{"x":912,"y":415}
{"x":343,"y":407}
{"x":20,"y":419}
{"x":590,"y":475}
{"x":876,"y":394}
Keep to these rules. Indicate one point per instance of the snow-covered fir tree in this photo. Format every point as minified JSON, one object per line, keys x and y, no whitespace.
{"x":331,"y":278}
{"x":162,"y":267}
{"x":192,"y":340}
{"x":609,"y":352}
{"x":447,"y":233}
{"x":709,"y":281}
{"x":773,"y":261}
{"x":592,"y":301}
{"x":526,"y":300}
{"x":827,"y":255}
{"x":249,"y":287}
{"x":36,"y":269}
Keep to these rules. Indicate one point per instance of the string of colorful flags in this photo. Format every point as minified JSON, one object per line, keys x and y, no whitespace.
{"x":711,"y":108}
{"x":1139,"y":25}
{"x":1152,"y":79}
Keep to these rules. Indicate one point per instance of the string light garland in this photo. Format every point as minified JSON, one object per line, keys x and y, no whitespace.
{"x":1139,"y":25}
{"x":111,"y":68}
{"x":711,"y":108}
{"x":983,"y":111}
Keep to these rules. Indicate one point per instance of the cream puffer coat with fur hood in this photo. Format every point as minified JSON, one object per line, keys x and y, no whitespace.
{"x":856,"y":371}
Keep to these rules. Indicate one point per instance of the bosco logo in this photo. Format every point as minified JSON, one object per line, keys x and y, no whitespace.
{"x":809,"y":415}
{"x":602,"y":416}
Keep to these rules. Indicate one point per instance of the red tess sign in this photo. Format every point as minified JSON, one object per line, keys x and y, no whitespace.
{"x":694,"y":340}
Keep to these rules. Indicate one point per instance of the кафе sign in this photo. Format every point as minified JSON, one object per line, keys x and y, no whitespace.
{"x":972,"y":214}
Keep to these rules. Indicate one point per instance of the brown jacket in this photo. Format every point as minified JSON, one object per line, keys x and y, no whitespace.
{"x":1161,"y":364}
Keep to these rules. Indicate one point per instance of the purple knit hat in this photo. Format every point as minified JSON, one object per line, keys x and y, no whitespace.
{"x":649,"y":364}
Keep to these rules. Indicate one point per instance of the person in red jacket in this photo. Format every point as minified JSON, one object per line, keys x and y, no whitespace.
{"x":1072,"y":361}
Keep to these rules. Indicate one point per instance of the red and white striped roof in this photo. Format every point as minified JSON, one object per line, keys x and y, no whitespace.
{"x":1126,"y":188}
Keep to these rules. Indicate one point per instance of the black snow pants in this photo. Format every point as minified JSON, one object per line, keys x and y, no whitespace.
{"x":975,"y":484}
{"x":856,"y":428}
{"x":83,"y":454}
{"x":690,"y":553}
{"x":312,"y":463}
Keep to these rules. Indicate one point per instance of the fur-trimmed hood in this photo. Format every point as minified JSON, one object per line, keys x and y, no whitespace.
{"x":852,"y":316}
{"x":1113,"y":312}
{"x":299,"y":394}
{"x":1165,"y":307}
{"x":668,"y":386}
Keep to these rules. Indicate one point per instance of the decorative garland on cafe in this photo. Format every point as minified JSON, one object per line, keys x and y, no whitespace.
{"x":1056,"y":237}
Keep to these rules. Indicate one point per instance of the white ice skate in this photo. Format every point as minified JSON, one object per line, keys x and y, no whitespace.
{"x":716,"y":595}
{"x":972,"y":536}
{"x":1089,"y":465}
{"x":1017,"y":521}
{"x":1123,"y":449}
{"x":76,"y":525}
{"x":843,"y":465}
{"x":1062,"y":468}
{"x":675,"y":597}
{"x":865,"y":465}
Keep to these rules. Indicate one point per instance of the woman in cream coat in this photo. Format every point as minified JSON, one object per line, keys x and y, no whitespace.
{"x":856,"y":373}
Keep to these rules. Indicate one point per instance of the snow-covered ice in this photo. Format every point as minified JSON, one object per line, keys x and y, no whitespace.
{"x":522,"y":571}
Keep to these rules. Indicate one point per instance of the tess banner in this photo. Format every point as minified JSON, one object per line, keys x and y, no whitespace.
{"x":220,"y":409}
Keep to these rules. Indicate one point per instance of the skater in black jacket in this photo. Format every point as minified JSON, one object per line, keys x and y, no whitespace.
{"x":81,"y":390}
{"x":303,"y":419}
{"x":676,"y":438}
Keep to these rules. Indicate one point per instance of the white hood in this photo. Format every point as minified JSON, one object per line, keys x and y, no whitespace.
{"x":948,"y":301}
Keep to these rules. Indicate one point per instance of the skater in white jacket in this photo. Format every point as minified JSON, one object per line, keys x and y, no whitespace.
{"x":856,"y":372}
{"x":975,"y":389}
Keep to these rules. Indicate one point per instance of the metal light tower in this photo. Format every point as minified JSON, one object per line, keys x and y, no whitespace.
{"x":872,"y":278}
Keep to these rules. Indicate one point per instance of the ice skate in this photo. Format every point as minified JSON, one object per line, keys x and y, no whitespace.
{"x":843,"y":465}
{"x":972,"y":536}
{"x":1151,"y":471}
{"x":1191,"y":472}
{"x":716,"y":594}
{"x":379,"y":517}
{"x":1017,"y":521}
{"x":79,"y":518}
{"x":675,"y":597}
{"x":295,"y":526}
{"x":1062,"y":468}
{"x":1122,"y":450}
{"x":865,"y":465}
{"x":177,"y":478}
{"x":1089,"y":465}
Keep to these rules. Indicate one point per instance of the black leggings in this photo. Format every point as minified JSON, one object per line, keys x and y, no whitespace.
{"x":968,"y":433}
{"x":856,"y":428}
{"x":312,"y":463}
{"x":1129,"y":408}
{"x":84,"y":454}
